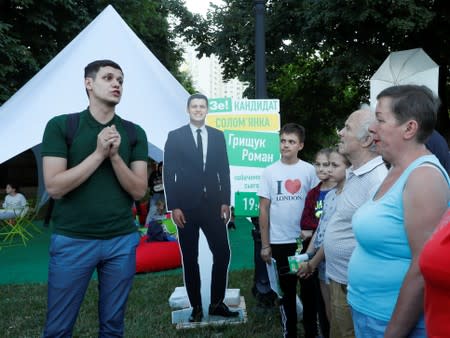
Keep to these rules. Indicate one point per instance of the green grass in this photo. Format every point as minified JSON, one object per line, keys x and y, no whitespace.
{"x":23,"y":308}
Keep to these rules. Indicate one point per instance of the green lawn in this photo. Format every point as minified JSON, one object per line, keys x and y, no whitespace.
{"x":22,"y":310}
{"x":23,"y":292}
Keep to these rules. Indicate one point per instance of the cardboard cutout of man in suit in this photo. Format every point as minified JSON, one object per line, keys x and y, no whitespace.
{"x":196,"y":178}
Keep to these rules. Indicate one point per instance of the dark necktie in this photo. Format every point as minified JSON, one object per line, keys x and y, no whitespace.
{"x":200,"y":145}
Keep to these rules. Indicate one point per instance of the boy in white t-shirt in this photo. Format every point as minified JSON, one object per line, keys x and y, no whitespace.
{"x":282,"y":192}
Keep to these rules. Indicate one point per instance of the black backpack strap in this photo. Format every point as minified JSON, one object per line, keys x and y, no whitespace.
{"x":48,"y":213}
{"x":72,"y":122}
{"x":131,"y":132}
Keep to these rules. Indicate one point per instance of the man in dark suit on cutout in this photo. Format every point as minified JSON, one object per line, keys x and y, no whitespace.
{"x":196,"y":178}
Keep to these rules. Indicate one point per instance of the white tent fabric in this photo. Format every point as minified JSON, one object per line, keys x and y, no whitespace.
{"x":152,"y":97}
{"x":412,"y":66}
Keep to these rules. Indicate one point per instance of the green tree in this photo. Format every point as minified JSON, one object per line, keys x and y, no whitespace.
{"x":361,"y":34}
{"x":33,"y":32}
{"x":321,"y":54}
{"x":186,"y":81}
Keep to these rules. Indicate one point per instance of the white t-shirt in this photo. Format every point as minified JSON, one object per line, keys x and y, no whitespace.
{"x":286,"y":186}
{"x":15,"y":203}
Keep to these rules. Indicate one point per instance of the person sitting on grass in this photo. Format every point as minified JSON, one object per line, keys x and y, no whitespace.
{"x":157,"y":230}
{"x":158,"y":213}
{"x":14,"y":204}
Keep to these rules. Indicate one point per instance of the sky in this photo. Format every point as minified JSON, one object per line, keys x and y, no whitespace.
{"x":200,"y":6}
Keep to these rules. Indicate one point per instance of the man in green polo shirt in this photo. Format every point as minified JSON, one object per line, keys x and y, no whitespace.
{"x":94,"y":181}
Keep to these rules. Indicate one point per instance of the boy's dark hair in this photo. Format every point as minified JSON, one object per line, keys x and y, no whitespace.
{"x":197,"y":96}
{"x":91,"y":69}
{"x":294,"y":128}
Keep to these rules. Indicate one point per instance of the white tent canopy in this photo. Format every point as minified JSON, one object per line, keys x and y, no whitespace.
{"x":152,"y":97}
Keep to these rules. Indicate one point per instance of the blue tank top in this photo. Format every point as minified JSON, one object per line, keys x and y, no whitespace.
{"x":382,"y":255}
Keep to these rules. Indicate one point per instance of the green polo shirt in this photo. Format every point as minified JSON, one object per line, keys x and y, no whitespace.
{"x":99,"y":208}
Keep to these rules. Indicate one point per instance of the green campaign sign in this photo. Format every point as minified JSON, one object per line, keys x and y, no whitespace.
{"x":246,"y":204}
{"x":252,"y":149}
{"x":250,"y":127}
{"x":220,"y":105}
{"x":256,"y":106}
{"x":243,"y":106}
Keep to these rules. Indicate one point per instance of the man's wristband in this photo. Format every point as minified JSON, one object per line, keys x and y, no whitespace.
{"x":266,"y":247}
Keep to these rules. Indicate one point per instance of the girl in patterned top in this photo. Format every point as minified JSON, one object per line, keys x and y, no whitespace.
{"x":336,"y":173}
{"x":313,"y":305}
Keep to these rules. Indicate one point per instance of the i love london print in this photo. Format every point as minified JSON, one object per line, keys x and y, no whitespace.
{"x":289,"y":190}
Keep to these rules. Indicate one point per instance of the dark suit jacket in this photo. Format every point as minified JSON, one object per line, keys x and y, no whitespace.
{"x":437,"y":144}
{"x":184,"y":178}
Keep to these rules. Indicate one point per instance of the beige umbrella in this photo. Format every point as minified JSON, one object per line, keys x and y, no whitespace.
{"x":412,"y":66}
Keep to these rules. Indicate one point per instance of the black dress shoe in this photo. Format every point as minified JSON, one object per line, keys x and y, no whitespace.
{"x":221,"y":310}
{"x":196,"y":314}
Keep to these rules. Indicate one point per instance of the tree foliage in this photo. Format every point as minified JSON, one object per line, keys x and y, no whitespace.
{"x":32,"y":32}
{"x":320,"y":54}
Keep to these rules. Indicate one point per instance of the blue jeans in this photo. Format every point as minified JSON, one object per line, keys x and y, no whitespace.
{"x":72,"y":263}
{"x":369,"y":327}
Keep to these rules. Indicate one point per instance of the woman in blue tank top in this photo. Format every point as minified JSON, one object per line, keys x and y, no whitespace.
{"x":385,"y":286}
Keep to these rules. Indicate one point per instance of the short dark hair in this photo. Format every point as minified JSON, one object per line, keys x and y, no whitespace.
{"x":197,"y":96}
{"x":92,"y":68}
{"x":414,"y":102}
{"x":13,"y":185}
{"x":294,"y":128}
